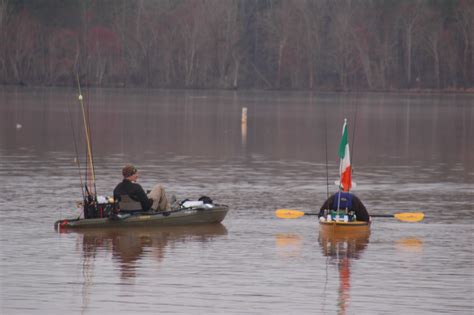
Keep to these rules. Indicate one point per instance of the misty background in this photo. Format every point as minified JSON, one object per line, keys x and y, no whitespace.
{"x":230,"y":44}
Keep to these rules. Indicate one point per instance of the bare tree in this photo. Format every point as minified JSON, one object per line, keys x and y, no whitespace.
{"x":465,"y":17}
{"x":384,"y":46}
{"x":22,"y":42}
{"x":409,"y":22}
{"x":4,"y":13}
{"x":343,"y":52}
{"x":276,"y":25}
{"x":432,"y":32}
{"x":313,"y":16}
{"x":63,"y":49}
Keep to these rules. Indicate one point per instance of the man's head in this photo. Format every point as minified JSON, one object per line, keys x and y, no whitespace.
{"x":129,"y":172}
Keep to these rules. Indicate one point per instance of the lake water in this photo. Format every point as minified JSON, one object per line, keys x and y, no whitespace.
{"x":409,"y":153}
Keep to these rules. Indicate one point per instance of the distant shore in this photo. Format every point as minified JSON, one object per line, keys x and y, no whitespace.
{"x":469,"y":90}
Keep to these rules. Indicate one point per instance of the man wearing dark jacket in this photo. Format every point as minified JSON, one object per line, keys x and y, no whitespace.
{"x":132,"y":198}
{"x":345,"y":200}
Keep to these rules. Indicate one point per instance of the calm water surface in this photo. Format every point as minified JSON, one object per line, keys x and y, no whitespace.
{"x":410,"y":153}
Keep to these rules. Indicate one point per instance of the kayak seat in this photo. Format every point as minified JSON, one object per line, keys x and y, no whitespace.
{"x":128,"y":205}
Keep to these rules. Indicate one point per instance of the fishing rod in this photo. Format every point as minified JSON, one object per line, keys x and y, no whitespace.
{"x":326,"y":150}
{"x":354,"y":132}
{"x":88,"y":140}
{"x":91,"y":144}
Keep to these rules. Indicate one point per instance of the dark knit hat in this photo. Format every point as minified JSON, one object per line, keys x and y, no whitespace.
{"x":128,"y":170}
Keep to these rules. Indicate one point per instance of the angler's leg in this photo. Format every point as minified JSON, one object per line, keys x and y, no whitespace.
{"x":160,"y":202}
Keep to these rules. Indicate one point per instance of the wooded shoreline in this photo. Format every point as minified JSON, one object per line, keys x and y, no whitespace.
{"x":339,"y":45}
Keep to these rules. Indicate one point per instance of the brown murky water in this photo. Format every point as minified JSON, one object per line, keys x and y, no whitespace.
{"x":410,"y":153}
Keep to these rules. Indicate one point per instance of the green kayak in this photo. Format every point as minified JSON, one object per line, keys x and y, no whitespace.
{"x":185,"y":216}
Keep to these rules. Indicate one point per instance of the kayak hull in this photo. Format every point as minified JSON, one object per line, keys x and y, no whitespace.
{"x":215,"y":214}
{"x":355,"y":227}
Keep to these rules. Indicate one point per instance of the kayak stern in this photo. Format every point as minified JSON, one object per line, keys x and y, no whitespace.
{"x":344,"y":227}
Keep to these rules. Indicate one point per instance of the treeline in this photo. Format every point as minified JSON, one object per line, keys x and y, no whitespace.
{"x":269,"y":44}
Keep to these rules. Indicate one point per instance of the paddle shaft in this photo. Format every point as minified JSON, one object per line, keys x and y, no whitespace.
{"x":372,"y":215}
{"x":404,"y":216}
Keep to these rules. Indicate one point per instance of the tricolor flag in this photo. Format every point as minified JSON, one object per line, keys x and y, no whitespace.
{"x":345,"y":164}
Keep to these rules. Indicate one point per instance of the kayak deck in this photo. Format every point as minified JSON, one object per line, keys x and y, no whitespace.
{"x":185,"y":216}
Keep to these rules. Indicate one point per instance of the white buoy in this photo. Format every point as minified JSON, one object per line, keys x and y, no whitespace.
{"x":244,"y":115}
{"x":18,"y":126}
{"x":80,"y":97}
{"x":244,"y":126}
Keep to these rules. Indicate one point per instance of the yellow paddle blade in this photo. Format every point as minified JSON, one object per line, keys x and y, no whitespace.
{"x":288,"y":213}
{"x":410,"y":216}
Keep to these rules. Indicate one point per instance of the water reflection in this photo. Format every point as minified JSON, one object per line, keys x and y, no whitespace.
{"x":128,"y":245}
{"x":288,"y":244}
{"x":341,"y":249}
{"x":409,"y":244}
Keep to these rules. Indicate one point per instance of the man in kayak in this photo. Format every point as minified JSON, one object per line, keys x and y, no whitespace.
{"x":343,"y":200}
{"x":132,"y":198}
